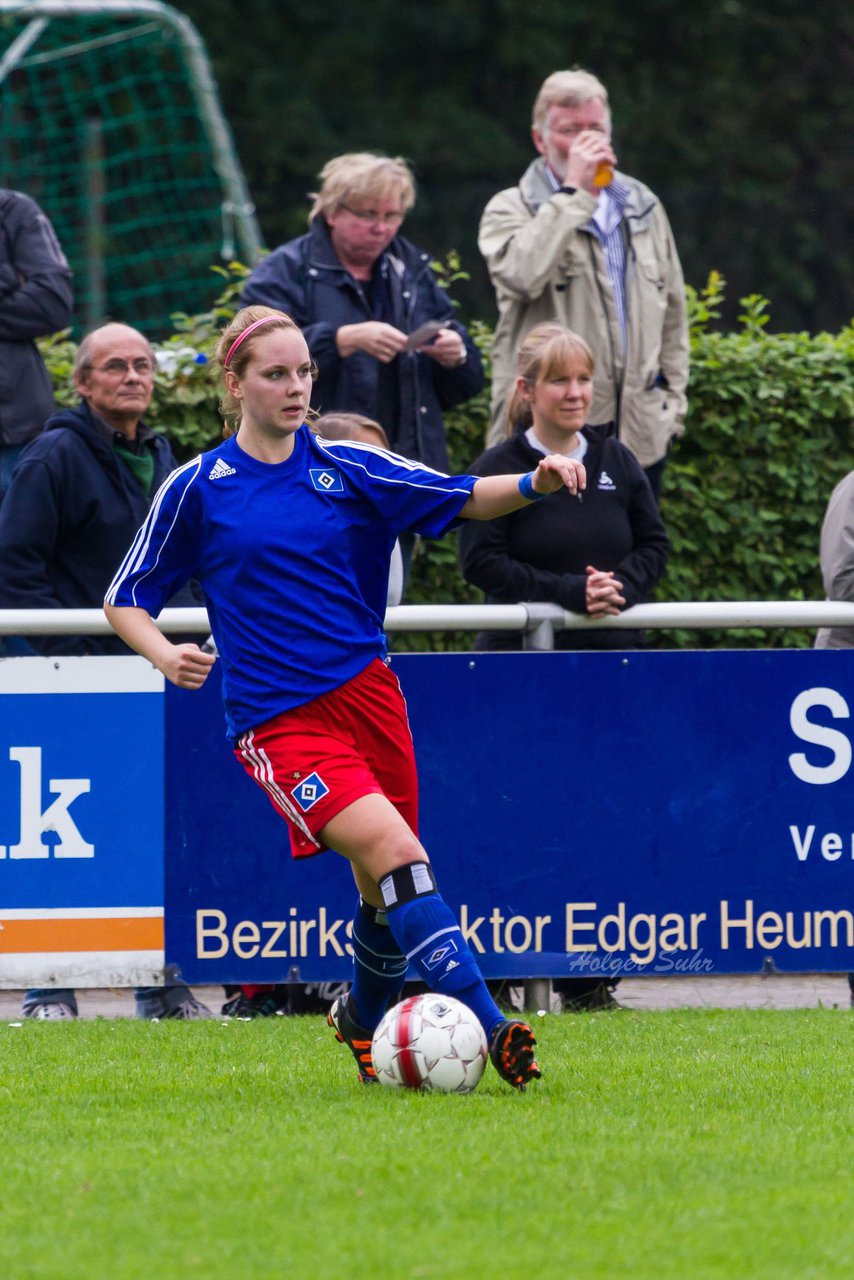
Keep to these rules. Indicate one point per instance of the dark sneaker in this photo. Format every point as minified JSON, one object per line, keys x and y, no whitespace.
{"x":190,"y":1010}
{"x":264,"y":1004}
{"x":512,"y":1052}
{"x":357,"y":1039}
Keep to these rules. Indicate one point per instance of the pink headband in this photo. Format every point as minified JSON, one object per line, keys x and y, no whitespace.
{"x":256,"y":324}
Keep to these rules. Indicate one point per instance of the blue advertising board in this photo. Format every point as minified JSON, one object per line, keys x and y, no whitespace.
{"x":81,"y":822}
{"x":611,"y":813}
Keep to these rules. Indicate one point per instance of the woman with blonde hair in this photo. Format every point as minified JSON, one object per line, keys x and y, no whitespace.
{"x":598,"y":556}
{"x":381,"y":329}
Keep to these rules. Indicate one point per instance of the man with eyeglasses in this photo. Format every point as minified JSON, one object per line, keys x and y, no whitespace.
{"x":379,"y":328}
{"x":81,"y":489}
{"x":582,"y":244}
{"x":77,"y":497}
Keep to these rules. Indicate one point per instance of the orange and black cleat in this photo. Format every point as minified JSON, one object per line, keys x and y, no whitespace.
{"x":356,"y":1038}
{"x":512,"y":1052}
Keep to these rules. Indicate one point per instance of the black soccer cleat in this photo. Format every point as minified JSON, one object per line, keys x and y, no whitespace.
{"x":358,"y":1039}
{"x":512,"y":1052}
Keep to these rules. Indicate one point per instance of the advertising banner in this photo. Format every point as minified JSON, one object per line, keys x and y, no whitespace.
{"x":81,"y":822}
{"x":606,"y":813}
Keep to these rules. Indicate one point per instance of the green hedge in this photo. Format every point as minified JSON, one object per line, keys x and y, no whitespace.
{"x":768,"y":435}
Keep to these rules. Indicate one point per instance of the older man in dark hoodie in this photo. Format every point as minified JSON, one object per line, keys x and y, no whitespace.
{"x":78,"y":495}
{"x":81,"y":490}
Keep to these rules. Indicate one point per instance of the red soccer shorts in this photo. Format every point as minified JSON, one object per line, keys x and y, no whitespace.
{"x":314,"y":760}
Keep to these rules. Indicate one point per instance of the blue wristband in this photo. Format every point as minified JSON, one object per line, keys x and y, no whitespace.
{"x":527,"y":489}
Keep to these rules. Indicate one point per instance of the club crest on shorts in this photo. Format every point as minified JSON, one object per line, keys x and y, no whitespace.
{"x":441,"y":953}
{"x":309,"y":791}
{"x":325,"y":480}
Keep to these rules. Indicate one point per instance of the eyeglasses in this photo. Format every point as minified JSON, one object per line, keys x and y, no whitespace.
{"x":392,"y":219}
{"x":121,"y":368}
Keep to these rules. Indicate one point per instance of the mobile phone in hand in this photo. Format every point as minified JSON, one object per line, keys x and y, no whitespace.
{"x":423,"y":334}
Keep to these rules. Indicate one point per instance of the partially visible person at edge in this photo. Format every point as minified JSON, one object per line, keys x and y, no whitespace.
{"x":836,"y":554}
{"x":580,"y":243}
{"x":295,"y":576}
{"x":360,"y":291}
{"x":35,"y":300}
{"x":363,"y":430}
{"x":77,"y":495}
{"x":596,"y":556}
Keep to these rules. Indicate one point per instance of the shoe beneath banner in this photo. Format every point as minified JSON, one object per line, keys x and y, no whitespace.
{"x":265,"y":1004}
{"x":54,"y":1011}
{"x":174,"y":1002}
{"x":191,"y":1010}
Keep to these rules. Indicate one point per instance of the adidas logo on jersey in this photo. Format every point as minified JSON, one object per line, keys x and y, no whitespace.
{"x":220,"y":469}
{"x":605,"y":481}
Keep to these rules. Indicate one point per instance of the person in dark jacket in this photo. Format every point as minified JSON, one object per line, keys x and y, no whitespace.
{"x":77,"y":497}
{"x":81,"y":489}
{"x":597,"y":556}
{"x":596,"y":553}
{"x":379,"y":328}
{"x":35,"y":300}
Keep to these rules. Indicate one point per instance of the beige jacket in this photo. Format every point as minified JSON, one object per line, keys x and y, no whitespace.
{"x":546,"y":266}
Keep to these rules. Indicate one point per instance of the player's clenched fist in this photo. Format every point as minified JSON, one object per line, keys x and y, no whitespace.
{"x":187,"y":666}
{"x":554,"y":470}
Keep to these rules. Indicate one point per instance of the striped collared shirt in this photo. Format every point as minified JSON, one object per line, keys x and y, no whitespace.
{"x":605,"y":226}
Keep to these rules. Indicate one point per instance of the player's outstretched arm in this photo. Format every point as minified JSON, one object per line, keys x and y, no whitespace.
{"x":184,"y":665}
{"x":499,"y":495}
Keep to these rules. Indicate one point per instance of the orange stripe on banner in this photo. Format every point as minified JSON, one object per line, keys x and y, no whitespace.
{"x":101,"y":934}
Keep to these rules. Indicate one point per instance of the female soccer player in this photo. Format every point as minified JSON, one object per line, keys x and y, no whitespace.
{"x":290,"y":538}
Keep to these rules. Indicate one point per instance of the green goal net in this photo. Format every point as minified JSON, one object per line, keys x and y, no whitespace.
{"x":111,"y":121}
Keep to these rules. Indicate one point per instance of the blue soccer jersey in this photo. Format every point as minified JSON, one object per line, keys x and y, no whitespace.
{"x":293,"y":559}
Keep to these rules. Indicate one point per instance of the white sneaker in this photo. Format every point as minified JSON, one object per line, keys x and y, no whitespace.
{"x":55,"y":1011}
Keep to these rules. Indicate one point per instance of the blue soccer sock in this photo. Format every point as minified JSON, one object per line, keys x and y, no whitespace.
{"x":379,"y":968}
{"x":428,"y":934}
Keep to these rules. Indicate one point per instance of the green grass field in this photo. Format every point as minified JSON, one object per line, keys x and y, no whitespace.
{"x":680,"y":1144}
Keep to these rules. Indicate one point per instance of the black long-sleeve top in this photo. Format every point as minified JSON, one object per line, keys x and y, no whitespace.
{"x":540,"y":553}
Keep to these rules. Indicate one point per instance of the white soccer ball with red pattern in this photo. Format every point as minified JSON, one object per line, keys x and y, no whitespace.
{"x":433,"y":1043}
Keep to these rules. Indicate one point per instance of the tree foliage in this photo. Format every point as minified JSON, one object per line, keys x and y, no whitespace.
{"x":739,"y":115}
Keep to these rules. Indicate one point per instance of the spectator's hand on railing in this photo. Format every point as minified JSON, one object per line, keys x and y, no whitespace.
{"x":603,"y":593}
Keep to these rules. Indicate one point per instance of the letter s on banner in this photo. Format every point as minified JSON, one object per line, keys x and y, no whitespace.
{"x":832,"y":739}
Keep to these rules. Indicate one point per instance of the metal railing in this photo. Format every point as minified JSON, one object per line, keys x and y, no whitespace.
{"x":538,"y":621}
